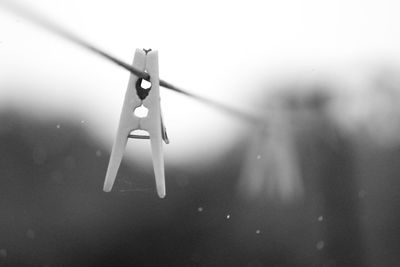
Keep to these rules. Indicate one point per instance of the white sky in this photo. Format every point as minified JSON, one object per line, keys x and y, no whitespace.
{"x":219,"y":49}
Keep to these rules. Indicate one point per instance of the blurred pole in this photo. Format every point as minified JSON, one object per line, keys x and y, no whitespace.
{"x":328,"y":166}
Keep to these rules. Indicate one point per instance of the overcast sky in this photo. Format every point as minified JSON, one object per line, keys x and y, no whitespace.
{"x":226,"y":50}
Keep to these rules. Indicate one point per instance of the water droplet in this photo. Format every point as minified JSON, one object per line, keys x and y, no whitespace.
{"x":320,"y":218}
{"x":228,"y":216}
{"x":30,"y":234}
{"x":82,"y":121}
{"x":200,"y":209}
{"x":258,"y":156}
{"x":58,"y":126}
{"x":98,"y":153}
{"x":258,"y":232}
{"x":3,"y":253}
{"x":320,"y":245}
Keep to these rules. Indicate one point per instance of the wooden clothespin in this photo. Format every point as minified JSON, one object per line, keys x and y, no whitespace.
{"x":137,"y":96}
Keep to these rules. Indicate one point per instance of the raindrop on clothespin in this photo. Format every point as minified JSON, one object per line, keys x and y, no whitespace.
{"x":145,"y":99}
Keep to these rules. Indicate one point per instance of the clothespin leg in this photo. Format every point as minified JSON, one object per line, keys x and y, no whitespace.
{"x":153,"y":123}
{"x":117,"y":154}
{"x":158,"y":163}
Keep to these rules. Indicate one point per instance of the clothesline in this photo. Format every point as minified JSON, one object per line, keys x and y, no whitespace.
{"x":273,"y":145}
{"x":56,"y":29}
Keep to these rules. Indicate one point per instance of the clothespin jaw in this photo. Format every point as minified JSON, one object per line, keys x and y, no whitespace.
{"x":136,"y":96}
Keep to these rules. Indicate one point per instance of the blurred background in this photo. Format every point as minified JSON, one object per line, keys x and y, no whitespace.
{"x":317,"y":187}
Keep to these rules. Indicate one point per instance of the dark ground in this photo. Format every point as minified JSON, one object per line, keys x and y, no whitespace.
{"x":54,"y":212}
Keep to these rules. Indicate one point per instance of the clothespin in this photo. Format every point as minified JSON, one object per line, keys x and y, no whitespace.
{"x":136,"y":96}
{"x":271,"y":165}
